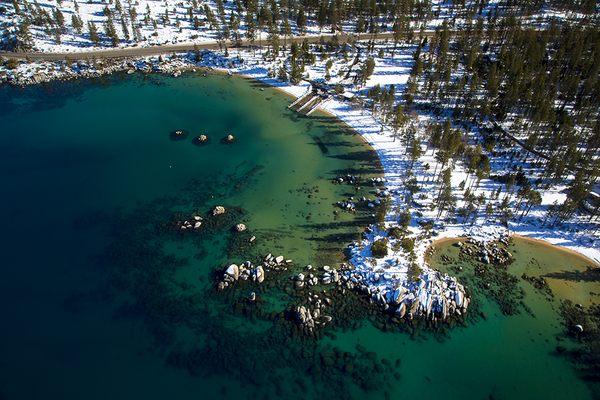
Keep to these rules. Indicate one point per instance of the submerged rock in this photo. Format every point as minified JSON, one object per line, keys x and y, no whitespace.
{"x":178,"y":134}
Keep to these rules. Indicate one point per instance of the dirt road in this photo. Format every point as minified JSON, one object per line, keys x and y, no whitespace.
{"x":132,"y":52}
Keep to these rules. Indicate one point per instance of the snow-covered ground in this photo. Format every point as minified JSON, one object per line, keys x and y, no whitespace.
{"x":155,"y":22}
{"x":390,"y":275}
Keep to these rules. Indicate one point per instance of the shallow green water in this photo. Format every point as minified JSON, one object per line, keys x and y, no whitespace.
{"x":516,"y":355}
{"x":102,"y":298}
{"x":96,"y":292}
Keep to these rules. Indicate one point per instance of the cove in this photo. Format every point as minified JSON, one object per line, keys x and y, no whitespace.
{"x":99,"y":299}
{"x":516,"y":354}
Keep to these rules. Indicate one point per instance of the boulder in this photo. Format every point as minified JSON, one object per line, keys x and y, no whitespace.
{"x":258,"y":274}
{"x":401,"y":310}
{"x":233,"y":271}
{"x":458,"y":298}
{"x":218,"y":210}
{"x":240,"y":227}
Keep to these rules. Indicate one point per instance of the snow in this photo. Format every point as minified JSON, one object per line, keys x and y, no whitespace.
{"x":578,"y":235}
{"x":180,"y":28}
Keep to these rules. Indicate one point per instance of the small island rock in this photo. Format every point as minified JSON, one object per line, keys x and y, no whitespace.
{"x":240,"y":227}
{"x":218,"y":210}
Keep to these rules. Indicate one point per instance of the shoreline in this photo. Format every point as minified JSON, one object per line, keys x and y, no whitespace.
{"x":545,"y":243}
{"x":360,"y":121}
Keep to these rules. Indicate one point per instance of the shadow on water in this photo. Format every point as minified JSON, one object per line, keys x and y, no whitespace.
{"x":321,"y":145}
{"x":363,"y":156}
{"x":591,"y":274}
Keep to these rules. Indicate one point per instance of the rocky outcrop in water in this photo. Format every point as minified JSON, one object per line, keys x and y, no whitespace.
{"x":312,"y":315}
{"x":247,"y":271}
{"x":487,"y":252}
{"x":193,"y":223}
{"x":201,"y":139}
{"x":433,"y":296}
{"x":326,"y":276}
{"x":218,"y":210}
{"x":240,"y":228}
{"x":386,"y":268}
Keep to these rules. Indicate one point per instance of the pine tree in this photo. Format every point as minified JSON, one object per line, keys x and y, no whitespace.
{"x":111,"y":32}
{"x":93,"y":31}
{"x":274,"y":42}
{"x":282,"y":74}
{"x":399,"y":120}
{"x":445,"y":200}
{"x":166,"y":15}
{"x":365,"y":72}
{"x":301,"y":21}
{"x":415,"y":151}
{"x":57,"y":33}
{"x":16,"y":7}
{"x":77,"y":23}
{"x":59,"y":19}
{"x":286,"y":30}
{"x":22,"y":40}
{"x":322,"y":15}
{"x":250,"y":24}
{"x":124,"y":27}
{"x":399,"y":29}
{"x":296,"y":72}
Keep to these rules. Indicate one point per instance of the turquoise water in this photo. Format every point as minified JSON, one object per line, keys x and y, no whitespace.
{"x":515,"y":356}
{"x":98,"y":291}
{"x":101,"y":297}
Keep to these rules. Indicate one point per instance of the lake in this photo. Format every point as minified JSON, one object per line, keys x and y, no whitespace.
{"x":104,"y":296}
